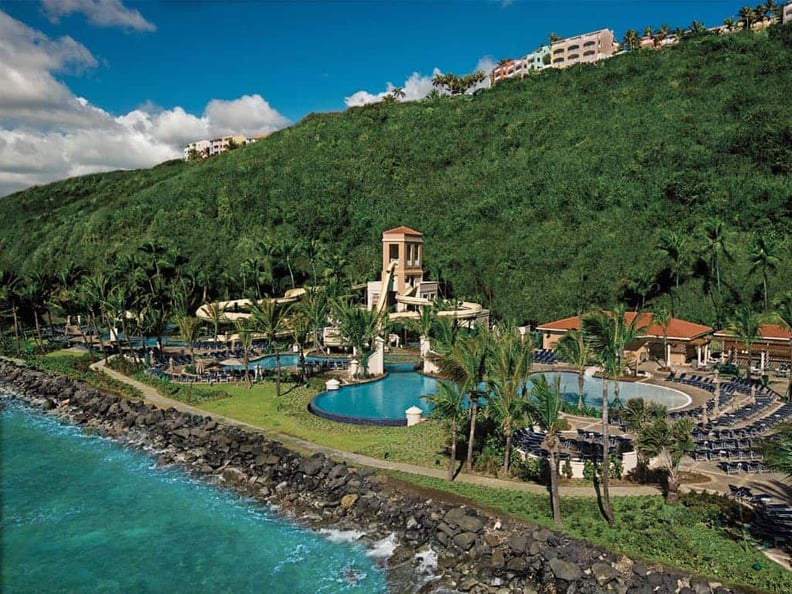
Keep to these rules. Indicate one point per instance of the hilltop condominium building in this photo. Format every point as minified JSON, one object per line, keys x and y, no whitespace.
{"x":201,"y":149}
{"x":580,"y":49}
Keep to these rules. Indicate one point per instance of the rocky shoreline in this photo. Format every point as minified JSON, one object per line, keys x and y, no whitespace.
{"x":439,"y":547}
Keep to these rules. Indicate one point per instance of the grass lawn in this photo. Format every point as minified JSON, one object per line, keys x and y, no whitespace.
{"x":688,"y":536}
{"x":421,"y":444}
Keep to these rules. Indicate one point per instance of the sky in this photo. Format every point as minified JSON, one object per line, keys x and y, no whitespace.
{"x":99,"y":85}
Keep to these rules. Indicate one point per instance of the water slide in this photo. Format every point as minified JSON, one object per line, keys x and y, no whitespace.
{"x":465,"y":310}
{"x":382,"y":302}
{"x":231,"y":310}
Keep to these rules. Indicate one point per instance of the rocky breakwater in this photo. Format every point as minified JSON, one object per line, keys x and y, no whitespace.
{"x":434,"y":546}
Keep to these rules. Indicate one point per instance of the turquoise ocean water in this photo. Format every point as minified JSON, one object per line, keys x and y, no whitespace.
{"x":83,"y":514}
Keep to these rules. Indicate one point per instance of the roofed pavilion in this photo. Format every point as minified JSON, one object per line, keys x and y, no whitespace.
{"x":770,"y":349}
{"x":685,"y":341}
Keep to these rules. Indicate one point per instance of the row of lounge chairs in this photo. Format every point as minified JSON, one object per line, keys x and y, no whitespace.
{"x":742,"y":386}
{"x":583,"y":448}
{"x":545,"y":357}
{"x":743,"y":467}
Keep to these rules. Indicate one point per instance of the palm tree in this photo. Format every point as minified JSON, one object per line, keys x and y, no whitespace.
{"x":715,"y":251}
{"x":189,"y":330}
{"x":245,"y":341}
{"x":729,"y":23}
{"x":574,"y":349}
{"x":465,"y":363}
{"x":358,"y":328}
{"x":674,"y":246}
{"x":511,"y":363}
{"x":289,"y":249}
{"x":637,"y":414}
{"x":745,"y":324}
{"x":449,"y":406}
{"x":217,"y":314}
{"x":34,"y":295}
{"x":669,"y":441}
{"x":544,"y":410}
{"x":10,"y":289}
{"x":608,"y":336}
{"x":777,"y":450}
{"x":662,"y":317}
{"x":398,"y":93}
{"x":770,"y":7}
{"x":269,"y":318}
{"x":764,"y":259}
{"x":93,"y":294}
{"x":424,"y":325}
{"x":783,"y":313}
{"x":300,"y":325}
{"x":746,"y":16}
{"x":631,"y":39}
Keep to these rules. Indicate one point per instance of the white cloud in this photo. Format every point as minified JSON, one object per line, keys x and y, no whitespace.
{"x":48,"y":133}
{"x":246,"y":115}
{"x":415,"y":88}
{"x":102,"y":13}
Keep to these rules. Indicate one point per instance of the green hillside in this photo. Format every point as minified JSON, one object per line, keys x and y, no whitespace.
{"x":540,"y":197}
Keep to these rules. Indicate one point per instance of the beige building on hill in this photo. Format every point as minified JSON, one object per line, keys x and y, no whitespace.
{"x":582,"y":49}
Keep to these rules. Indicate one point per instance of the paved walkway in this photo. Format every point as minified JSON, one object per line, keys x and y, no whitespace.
{"x":307,"y":447}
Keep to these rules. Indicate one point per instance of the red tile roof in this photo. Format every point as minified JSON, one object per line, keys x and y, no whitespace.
{"x":678,"y":329}
{"x":402,"y":230}
{"x":766,"y":331}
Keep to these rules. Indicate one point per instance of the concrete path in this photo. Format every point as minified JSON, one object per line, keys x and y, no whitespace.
{"x":307,"y":447}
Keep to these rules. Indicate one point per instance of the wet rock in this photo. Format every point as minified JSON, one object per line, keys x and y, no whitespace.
{"x":604,"y":572}
{"x":465,"y":540}
{"x":563,"y":570}
{"x":349,"y":500}
{"x":313,"y":465}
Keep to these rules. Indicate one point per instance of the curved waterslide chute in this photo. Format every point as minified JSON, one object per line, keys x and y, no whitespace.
{"x":205,"y":311}
{"x":382,"y":302}
{"x":464,"y":311}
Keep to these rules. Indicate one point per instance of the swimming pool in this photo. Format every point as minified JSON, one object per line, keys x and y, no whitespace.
{"x":291,"y":360}
{"x":381,"y":402}
{"x":384,"y":402}
{"x":592,"y":390}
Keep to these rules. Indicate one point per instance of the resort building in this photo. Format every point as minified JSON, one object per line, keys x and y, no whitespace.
{"x":770,"y":350}
{"x":786,"y":13}
{"x":402,"y":269}
{"x":533,"y":62}
{"x":201,"y":149}
{"x":678,"y":343}
{"x":581,"y":49}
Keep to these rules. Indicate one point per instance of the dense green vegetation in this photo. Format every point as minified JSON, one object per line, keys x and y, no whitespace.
{"x":540,"y":197}
{"x":700,"y":536}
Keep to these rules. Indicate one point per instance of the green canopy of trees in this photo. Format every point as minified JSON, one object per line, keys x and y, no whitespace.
{"x":538,"y":198}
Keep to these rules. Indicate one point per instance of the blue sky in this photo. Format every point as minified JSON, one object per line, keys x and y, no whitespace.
{"x":94,"y":85}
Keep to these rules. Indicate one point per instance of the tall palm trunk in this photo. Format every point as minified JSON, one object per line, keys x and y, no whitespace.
{"x":472,"y":434}
{"x":16,"y":328}
{"x":38,"y":331}
{"x":606,"y":502}
{"x":555,"y":497}
{"x":581,"y":387}
{"x":507,"y":431}
{"x":452,"y":462}
{"x":277,"y":372}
